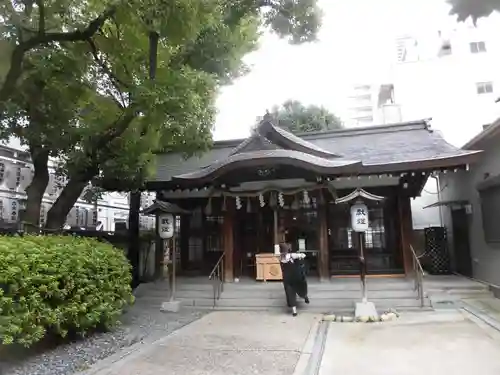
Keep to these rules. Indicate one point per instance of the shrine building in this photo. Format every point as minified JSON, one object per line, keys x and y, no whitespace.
{"x":244,"y":196}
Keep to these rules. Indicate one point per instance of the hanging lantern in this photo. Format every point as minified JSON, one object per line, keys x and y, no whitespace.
{"x":208,"y":208}
{"x":224,"y":208}
{"x":273,"y":201}
{"x":307,"y":199}
{"x":321,"y":198}
{"x":281,"y":199}
{"x":261,"y":200}
{"x":238,"y":203}
{"x":249,"y":205}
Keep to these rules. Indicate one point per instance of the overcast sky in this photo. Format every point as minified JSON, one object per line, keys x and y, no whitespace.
{"x":356,"y":43}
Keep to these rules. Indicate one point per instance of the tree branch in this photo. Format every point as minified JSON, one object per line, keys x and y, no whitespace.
{"x":41,"y":17}
{"x":103,"y":65}
{"x":16,"y":61}
{"x":74,"y":36}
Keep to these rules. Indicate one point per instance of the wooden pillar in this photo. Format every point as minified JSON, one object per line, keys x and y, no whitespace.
{"x":158,"y":251}
{"x":323,"y":256}
{"x":184,"y":242}
{"x":228,"y":241}
{"x":406,"y":227}
{"x":276,"y":229}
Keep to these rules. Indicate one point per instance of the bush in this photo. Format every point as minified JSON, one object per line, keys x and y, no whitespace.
{"x":59,"y":285}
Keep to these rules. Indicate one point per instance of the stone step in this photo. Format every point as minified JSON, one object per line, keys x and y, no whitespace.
{"x":334,"y":284}
{"x":456,"y":297}
{"x":323,"y":306}
{"x":340,"y":285}
{"x":323,"y":303}
{"x":459,"y":290}
{"x":320,"y":294}
{"x":279,"y":293}
{"x":311,"y":309}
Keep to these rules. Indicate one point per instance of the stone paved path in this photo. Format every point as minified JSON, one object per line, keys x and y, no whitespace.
{"x":430,"y":343}
{"x":265,"y":343}
{"x":222,"y":343}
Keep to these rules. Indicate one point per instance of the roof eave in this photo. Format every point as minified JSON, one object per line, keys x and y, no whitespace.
{"x":491,"y":131}
{"x":160,"y":207}
{"x":432,"y":163}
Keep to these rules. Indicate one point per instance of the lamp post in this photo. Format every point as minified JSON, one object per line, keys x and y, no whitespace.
{"x":360,"y":224}
{"x":166,"y":230}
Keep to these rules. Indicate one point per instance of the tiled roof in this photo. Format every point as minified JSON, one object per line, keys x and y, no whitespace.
{"x":378,"y":148}
{"x":310,"y":162}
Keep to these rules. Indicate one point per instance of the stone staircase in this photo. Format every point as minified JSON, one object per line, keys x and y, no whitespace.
{"x":338,"y":295}
{"x":449,"y":290}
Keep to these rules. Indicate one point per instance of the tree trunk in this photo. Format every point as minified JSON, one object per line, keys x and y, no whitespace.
{"x":36,"y":189}
{"x":56,"y":217}
{"x":134,"y":240}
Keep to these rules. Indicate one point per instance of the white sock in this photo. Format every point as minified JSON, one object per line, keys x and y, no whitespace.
{"x":294,"y":309}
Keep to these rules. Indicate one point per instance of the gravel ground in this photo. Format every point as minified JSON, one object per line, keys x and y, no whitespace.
{"x":143,"y":322}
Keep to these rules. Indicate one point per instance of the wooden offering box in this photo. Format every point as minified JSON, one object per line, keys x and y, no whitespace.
{"x":268,"y":267}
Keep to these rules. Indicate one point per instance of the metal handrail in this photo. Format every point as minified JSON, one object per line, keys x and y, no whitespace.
{"x":419,"y":274}
{"x":217,"y":278}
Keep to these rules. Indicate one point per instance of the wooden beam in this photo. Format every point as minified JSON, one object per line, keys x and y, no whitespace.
{"x":406,"y":227}
{"x":184,"y":242}
{"x":228,"y":240}
{"x":323,"y":258}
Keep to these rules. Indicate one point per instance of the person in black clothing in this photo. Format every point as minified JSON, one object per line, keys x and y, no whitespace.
{"x":294,"y":278}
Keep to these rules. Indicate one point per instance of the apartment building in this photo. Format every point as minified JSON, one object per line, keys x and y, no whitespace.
{"x":106,"y":214}
{"x":450,"y":74}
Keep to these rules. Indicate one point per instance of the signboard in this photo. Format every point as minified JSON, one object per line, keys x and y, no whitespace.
{"x":302,"y":244}
{"x":359,"y":217}
{"x":277,"y":249}
{"x":166,"y":227}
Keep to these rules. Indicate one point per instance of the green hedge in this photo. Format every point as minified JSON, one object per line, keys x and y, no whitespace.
{"x":59,"y":285}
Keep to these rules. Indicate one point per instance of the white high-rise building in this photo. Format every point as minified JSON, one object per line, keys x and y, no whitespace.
{"x":449,"y":74}
{"x":373,"y":104}
{"x":453,"y":78}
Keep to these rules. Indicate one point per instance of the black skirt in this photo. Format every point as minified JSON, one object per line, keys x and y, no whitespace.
{"x":294,"y":281}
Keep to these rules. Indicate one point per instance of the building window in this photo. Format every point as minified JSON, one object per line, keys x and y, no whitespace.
{"x":18,"y":176}
{"x":477,"y":47}
{"x":42,"y":215}
{"x":13,"y":212}
{"x":484,"y":87}
{"x":445,"y":49}
{"x":2,"y":171}
{"x":490,"y":209}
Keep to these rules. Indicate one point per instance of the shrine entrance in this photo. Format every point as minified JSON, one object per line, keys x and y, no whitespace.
{"x":382,"y":242}
{"x":254,"y":234}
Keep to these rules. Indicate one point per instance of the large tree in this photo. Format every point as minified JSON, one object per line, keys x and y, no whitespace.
{"x":474,"y":9}
{"x":298,"y":118}
{"x":116,"y":116}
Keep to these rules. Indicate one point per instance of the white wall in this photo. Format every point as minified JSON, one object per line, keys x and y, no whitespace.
{"x":444,"y":88}
{"x":485,"y":258}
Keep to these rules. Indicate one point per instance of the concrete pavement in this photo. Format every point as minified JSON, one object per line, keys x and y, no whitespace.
{"x":429,"y":343}
{"x":223,"y":343}
{"x":273,"y":343}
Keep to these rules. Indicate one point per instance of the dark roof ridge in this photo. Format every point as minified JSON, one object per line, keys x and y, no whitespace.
{"x":370,"y":129}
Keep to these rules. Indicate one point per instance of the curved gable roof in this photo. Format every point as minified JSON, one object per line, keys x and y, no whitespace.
{"x":280,"y":156}
{"x":290,"y":141}
{"x":384,"y":148}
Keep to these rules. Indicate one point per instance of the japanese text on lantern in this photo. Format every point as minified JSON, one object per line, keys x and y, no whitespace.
{"x":359,"y":217}
{"x":166,"y":227}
